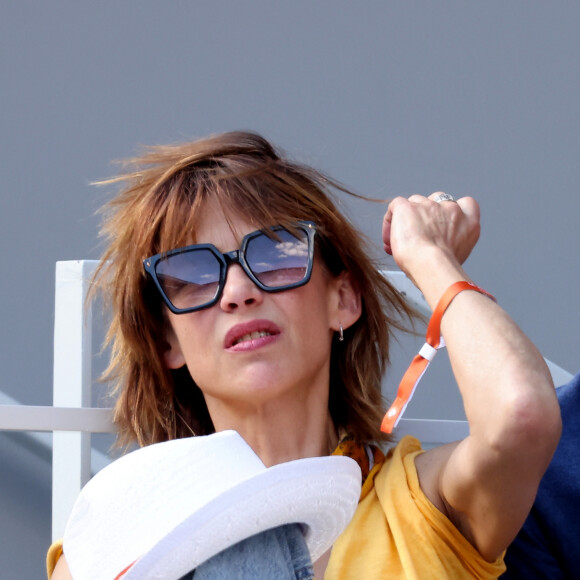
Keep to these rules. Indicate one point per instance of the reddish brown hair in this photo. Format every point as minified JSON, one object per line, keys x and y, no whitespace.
{"x":156,"y":210}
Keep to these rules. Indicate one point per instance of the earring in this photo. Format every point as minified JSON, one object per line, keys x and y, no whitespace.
{"x":340,"y":333}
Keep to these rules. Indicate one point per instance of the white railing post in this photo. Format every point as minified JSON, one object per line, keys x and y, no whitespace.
{"x":72,"y":377}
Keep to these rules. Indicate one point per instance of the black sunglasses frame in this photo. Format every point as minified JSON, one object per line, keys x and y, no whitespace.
{"x":233,"y":257}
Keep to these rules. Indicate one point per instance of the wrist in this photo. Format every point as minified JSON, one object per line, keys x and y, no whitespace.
{"x":433,"y":270}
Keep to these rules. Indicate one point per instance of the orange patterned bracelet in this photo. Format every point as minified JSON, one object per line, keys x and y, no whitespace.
{"x":421,"y":360}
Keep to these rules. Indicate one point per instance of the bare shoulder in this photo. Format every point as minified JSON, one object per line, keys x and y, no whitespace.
{"x":61,"y":570}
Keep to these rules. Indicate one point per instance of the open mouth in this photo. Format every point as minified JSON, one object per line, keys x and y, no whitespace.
{"x":252,"y":336}
{"x":254,"y":332}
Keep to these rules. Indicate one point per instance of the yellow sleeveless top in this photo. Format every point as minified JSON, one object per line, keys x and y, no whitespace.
{"x":397,"y":532}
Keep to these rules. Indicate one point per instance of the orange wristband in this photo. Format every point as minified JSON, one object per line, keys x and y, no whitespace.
{"x":421,"y":360}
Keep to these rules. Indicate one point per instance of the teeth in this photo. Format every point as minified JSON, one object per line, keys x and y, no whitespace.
{"x":253,"y":336}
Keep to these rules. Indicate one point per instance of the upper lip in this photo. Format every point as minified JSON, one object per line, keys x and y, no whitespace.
{"x":236,"y":332}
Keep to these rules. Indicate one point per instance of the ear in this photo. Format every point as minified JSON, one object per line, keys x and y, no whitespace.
{"x":172,"y":354}
{"x":348,"y":306}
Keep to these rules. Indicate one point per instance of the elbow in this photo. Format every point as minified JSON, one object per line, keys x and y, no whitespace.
{"x":530,"y":426}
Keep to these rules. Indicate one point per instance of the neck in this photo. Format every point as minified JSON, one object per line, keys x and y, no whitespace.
{"x":280,"y":431}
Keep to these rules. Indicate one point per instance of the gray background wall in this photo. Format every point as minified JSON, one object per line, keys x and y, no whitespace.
{"x":389,"y":97}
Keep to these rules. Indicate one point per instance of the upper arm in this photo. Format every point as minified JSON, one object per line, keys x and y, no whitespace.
{"x":485,"y":492}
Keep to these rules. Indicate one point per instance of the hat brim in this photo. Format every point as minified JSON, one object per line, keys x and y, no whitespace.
{"x":320,"y":493}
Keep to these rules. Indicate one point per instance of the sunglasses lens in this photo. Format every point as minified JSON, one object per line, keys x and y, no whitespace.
{"x":189,"y":279}
{"x":281,"y":262}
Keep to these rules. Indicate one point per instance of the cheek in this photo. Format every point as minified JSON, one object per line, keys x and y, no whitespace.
{"x":186,"y":335}
{"x":310,"y":313}
{"x":199,"y":354}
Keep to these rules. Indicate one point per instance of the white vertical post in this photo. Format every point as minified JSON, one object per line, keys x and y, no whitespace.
{"x":72,"y":385}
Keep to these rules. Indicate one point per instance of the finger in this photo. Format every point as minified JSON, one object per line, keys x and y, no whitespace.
{"x":387,"y":235}
{"x":469,"y":207}
{"x":387,"y":220}
{"x":441,"y":196}
{"x":416,"y":198}
{"x":456,"y":206}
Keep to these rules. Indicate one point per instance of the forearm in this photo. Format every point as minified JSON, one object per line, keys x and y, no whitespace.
{"x":503,"y":379}
{"x":504,"y":382}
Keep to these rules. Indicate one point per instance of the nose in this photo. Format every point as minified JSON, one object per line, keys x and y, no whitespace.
{"x":239,"y":290}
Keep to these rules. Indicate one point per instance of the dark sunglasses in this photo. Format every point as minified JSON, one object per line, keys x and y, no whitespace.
{"x":193,"y":277}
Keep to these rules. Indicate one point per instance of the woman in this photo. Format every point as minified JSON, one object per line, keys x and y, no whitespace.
{"x":291,"y":355}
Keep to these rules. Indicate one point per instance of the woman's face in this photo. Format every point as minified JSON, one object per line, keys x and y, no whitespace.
{"x":253,"y":347}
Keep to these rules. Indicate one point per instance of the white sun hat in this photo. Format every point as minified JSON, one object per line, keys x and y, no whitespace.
{"x":164,"y":509}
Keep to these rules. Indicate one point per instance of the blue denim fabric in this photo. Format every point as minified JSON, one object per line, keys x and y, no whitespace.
{"x":280,"y":554}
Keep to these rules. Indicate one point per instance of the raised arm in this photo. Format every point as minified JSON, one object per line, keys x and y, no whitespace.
{"x":486,"y":483}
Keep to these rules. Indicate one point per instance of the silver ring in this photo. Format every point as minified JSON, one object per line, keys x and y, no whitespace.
{"x":444,"y":197}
